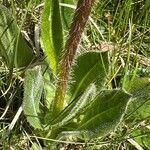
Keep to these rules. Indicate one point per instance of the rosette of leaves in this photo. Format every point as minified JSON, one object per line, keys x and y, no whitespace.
{"x":91,"y":111}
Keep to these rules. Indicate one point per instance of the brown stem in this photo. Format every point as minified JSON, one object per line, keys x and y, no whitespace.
{"x":81,"y":15}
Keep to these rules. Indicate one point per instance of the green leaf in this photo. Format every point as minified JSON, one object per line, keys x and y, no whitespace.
{"x":52,"y":33}
{"x":90,"y":67}
{"x":139,"y":87}
{"x":105,"y":113}
{"x":21,"y":54}
{"x":76,"y":107}
{"x":24,"y":55}
{"x":140,"y":105}
{"x":33,"y":88}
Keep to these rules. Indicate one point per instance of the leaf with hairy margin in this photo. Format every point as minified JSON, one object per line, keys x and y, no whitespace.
{"x":52,"y":33}
{"x":90,"y":67}
{"x":33,"y":88}
{"x":76,"y":107}
{"x":140,"y":105}
{"x":105,"y":113}
{"x":101,"y":117}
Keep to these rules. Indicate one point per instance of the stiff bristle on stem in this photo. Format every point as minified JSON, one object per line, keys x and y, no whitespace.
{"x":81,"y":16}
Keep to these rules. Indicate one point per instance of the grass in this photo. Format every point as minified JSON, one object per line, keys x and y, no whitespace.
{"x":120,"y":27}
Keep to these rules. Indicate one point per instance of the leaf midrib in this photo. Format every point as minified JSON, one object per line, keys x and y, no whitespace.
{"x":83,"y":79}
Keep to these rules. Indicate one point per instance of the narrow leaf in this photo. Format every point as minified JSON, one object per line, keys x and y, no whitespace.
{"x":33,"y":87}
{"x":52,"y":33}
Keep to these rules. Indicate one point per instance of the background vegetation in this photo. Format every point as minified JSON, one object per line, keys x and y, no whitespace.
{"x":118,"y":31}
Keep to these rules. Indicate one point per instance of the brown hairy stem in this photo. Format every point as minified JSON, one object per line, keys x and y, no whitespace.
{"x":81,"y":15}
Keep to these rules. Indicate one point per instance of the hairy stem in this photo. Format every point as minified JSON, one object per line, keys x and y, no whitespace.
{"x":81,"y":15}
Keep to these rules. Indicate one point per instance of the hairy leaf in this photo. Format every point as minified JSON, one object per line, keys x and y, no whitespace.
{"x":76,"y":107}
{"x":140,"y":105}
{"x":90,"y":67}
{"x":52,"y":33}
{"x":105,"y":113}
{"x":33,"y":87}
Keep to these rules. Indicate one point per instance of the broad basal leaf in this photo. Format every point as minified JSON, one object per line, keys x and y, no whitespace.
{"x":10,"y":50}
{"x":52,"y":33}
{"x":90,"y":67}
{"x":139,"y":87}
{"x":140,"y":105}
{"x":33,"y":87}
{"x":76,"y":107}
{"x":105,"y":113}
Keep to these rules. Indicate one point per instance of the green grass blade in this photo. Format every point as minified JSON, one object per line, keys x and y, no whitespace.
{"x":8,"y":40}
{"x":67,"y":12}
